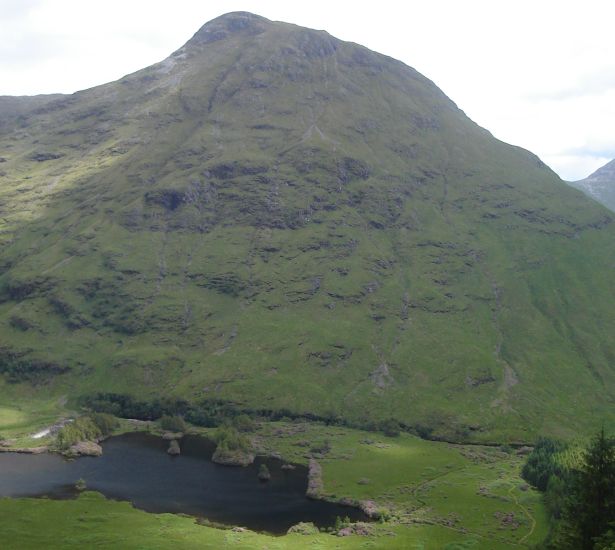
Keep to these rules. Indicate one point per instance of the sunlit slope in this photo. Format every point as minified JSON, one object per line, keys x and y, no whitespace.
{"x":282,"y":219}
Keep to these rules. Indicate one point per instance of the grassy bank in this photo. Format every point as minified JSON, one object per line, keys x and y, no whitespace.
{"x":91,"y":521}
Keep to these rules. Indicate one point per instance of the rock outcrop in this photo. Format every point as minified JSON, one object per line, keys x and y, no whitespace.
{"x":232,"y":458}
{"x":370,"y":509}
{"x":174,"y":448}
{"x":600,"y":185}
{"x":303,"y":528}
{"x":84,"y":448}
{"x":315,"y":485}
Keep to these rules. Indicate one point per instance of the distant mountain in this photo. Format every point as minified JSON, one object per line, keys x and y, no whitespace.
{"x":600,"y":185}
{"x":275,"y":217}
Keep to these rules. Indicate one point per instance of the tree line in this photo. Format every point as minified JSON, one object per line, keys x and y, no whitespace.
{"x":212,"y":413}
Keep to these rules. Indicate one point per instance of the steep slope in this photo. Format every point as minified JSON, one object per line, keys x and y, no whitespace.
{"x":600,"y":185}
{"x":14,"y":107}
{"x":289,"y":221}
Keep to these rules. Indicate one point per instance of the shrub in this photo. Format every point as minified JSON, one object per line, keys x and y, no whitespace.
{"x":541,"y":463}
{"x":229,"y":439}
{"x":82,"y":429}
{"x":106,"y":423}
{"x":244,"y":423}
{"x":173,"y":423}
{"x":390,"y":427}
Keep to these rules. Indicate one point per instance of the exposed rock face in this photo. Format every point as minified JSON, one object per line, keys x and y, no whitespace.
{"x":85,"y":448}
{"x":600,"y":185}
{"x":369,"y":508}
{"x":232,"y":458}
{"x":315,"y":484}
{"x":304,"y":528}
{"x":225,"y":25}
{"x":359,"y":528}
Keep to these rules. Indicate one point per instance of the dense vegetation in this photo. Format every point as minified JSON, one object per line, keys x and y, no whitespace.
{"x":214,"y":412}
{"x":174,"y":423}
{"x":85,"y":428}
{"x":579,"y":488}
{"x":228,"y":438}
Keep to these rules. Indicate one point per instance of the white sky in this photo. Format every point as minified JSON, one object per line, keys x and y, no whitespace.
{"x":539,"y":74}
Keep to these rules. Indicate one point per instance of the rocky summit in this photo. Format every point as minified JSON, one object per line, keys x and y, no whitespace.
{"x":282,"y":220}
{"x":600,"y":185}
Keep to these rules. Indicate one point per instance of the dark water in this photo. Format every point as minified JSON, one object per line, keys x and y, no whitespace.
{"x":137,"y":468}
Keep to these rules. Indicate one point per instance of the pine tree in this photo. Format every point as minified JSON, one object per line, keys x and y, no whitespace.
{"x":593,"y":507}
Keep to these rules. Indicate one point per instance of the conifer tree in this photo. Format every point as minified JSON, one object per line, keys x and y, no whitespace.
{"x":593,"y":507}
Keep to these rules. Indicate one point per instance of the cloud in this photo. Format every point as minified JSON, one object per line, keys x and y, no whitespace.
{"x":577,"y":167}
{"x":12,"y":10}
{"x":597,"y":83}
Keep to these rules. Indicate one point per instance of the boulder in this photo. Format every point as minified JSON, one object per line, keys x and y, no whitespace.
{"x":232,"y":458}
{"x":174,"y":447}
{"x":263,"y":473}
{"x":360,"y":528}
{"x":370,"y":509}
{"x":85,"y":448}
{"x":315,"y":485}
{"x":304,"y":528}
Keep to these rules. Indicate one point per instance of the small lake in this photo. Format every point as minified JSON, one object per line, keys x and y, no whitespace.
{"x":136,"y":467}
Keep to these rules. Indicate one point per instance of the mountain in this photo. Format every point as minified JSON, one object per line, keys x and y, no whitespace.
{"x":600,"y":185}
{"x":291,"y":222}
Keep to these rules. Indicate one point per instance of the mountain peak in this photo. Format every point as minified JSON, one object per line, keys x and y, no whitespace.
{"x":600,"y":185}
{"x":233,"y":22}
{"x":292,"y":222}
{"x":604,"y":172}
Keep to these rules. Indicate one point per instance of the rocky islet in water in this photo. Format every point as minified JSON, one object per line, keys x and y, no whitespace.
{"x":136,"y":467}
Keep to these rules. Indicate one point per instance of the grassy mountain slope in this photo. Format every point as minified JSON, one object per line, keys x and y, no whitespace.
{"x":277,"y":217}
{"x":600,"y":185}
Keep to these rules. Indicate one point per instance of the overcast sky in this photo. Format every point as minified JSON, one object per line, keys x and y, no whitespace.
{"x":539,"y":74}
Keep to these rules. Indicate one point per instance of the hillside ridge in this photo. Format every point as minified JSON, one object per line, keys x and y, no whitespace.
{"x":279,"y":219}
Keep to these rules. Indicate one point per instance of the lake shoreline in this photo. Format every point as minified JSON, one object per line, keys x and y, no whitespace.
{"x":199,"y":448}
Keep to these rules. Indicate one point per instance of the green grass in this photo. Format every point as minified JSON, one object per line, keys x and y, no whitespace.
{"x":25,"y":413}
{"x":9,"y":418}
{"x":91,"y":521}
{"x":461,"y":487}
{"x":345,"y":242}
